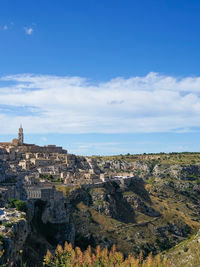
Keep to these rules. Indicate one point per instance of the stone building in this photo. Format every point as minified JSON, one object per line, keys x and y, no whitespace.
{"x":40,"y":162}
{"x":24,"y":164}
{"x":15,"y":142}
{"x":43,"y":193}
{"x":30,"y":148}
{"x":52,"y":170}
{"x":20,"y":136}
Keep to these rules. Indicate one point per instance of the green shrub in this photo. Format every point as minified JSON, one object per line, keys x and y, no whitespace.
{"x":185,"y":249}
{"x":20,"y":205}
{"x":17,"y":203}
{"x":7,"y":224}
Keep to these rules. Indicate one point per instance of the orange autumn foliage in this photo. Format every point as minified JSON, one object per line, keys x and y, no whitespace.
{"x":70,"y":257}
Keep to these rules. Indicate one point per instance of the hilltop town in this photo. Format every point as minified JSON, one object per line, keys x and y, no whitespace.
{"x":33,"y":168}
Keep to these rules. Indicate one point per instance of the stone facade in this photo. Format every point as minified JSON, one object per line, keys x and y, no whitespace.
{"x":20,"y":136}
{"x":37,"y":192}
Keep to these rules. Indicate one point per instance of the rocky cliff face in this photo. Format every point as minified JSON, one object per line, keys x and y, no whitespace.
{"x":50,"y":224}
{"x":14,"y":231}
{"x":3,"y":168}
{"x":56,"y":213}
{"x":15,"y":240}
{"x":136,"y":215}
{"x":147,"y":168}
{"x":44,"y":226}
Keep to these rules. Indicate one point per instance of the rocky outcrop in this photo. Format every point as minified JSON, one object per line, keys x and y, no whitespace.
{"x":47,"y":221}
{"x":52,"y":220}
{"x":14,"y":231}
{"x":54,"y":212}
{"x":177,"y":228}
{"x":140,"y":206}
{"x":144,"y":168}
{"x":118,"y":199}
{"x":3,"y":167}
{"x":57,"y":216}
{"x":136,"y":214}
{"x":110,"y":202}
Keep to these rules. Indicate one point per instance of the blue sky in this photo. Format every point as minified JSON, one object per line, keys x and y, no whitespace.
{"x":101,"y":77}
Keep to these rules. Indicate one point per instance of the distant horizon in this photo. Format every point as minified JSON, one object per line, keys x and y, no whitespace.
{"x":109,"y":144}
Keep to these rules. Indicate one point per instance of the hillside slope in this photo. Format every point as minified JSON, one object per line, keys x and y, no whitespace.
{"x":187,"y":253}
{"x":152,"y":215}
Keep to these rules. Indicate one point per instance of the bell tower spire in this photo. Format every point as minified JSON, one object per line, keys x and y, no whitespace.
{"x":20,"y":136}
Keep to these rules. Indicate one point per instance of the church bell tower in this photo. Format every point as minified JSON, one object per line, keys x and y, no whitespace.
{"x":20,"y":136}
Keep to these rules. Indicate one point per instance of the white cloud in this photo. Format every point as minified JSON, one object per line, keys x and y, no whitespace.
{"x":52,"y":104}
{"x":28,"y":30}
{"x":5,"y":27}
{"x":44,"y":139}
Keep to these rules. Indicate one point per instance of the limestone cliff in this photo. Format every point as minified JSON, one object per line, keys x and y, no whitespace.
{"x":50,"y":224}
{"x":14,"y":231}
{"x":46,"y":224}
{"x":136,"y":215}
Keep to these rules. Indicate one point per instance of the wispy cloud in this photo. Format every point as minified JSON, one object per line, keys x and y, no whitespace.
{"x":9,"y":26}
{"x":153,"y":103}
{"x":28,"y":30}
{"x":44,"y":139}
{"x":5,"y":27}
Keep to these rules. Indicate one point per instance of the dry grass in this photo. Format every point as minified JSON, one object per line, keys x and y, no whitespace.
{"x":66,"y":189}
{"x":186,"y":253}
